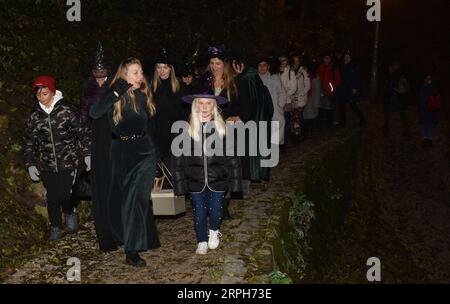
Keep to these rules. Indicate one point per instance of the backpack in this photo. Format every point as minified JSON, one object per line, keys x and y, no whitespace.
{"x":434,"y":103}
{"x":302,"y":74}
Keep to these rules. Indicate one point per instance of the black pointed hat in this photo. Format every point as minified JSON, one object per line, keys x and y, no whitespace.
{"x":99,"y":61}
{"x":186,"y":69}
{"x":164,"y":57}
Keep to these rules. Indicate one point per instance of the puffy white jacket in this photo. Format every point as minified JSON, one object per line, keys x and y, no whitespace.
{"x":278,"y":94}
{"x":303,"y":86}
{"x":289,"y":82}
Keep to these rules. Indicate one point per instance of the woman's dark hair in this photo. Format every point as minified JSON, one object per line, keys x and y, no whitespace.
{"x":36,"y":90}
{"x":274,"y":65}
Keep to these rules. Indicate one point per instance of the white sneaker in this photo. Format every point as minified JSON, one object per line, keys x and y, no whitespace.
{"x":213,"y":240}
{"x":202,"y":248}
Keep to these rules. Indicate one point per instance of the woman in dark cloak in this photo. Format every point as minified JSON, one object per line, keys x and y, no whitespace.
{"x":94,"y":89}
{"x":130,"y":109}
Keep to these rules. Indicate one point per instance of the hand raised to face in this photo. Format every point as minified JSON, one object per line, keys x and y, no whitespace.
{"x":238,"y":67}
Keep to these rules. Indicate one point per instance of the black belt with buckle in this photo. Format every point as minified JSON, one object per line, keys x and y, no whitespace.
{"x":128,"y":137}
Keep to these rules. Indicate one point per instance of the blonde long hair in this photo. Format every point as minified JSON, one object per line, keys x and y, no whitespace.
{"x":174,"y":83}
{"x":120,"y":103}
{"x":195,"y":123}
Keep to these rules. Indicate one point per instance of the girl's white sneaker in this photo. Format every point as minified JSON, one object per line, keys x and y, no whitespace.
{"x":202,"y":248}
{"x":213,"y":241}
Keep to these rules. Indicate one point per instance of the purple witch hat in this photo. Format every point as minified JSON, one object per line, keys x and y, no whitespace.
{"x":217,"y":51}
{"x":204,"y":90}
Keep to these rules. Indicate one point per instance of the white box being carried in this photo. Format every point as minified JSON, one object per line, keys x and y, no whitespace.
{"x":165,"y":202}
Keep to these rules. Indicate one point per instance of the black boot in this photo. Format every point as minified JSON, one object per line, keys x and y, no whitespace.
{"x":226,"y":212}
{"x":134,"y":259}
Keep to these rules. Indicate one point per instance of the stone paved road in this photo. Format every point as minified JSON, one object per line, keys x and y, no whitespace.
{"x":242,"y":257}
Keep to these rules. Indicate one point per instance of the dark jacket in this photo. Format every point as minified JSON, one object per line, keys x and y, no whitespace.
{"x":245,"y":104}
{"x":396,"y":92}
{"x":52,"y":141}
{"x":219,"y":173}
{"x":351,"y":80}
{"x":91,"y":92}
{"x":169,"y":109}
{"x":426,"y":117}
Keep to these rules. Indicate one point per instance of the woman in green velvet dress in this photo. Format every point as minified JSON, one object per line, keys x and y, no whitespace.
{"x":129,"y":106}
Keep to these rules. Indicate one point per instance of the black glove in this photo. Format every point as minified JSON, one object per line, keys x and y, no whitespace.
{"x":121,"y":87}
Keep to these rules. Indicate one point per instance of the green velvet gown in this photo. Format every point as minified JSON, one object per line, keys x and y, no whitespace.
{"x":133,"y":165}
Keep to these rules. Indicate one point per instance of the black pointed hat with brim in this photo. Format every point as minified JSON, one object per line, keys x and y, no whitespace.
{"x":164,"y":58}
{"x":204,"y":90}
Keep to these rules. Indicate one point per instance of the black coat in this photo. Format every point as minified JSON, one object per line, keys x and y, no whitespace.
{"x":169,"y":109}
{"x":100,"y":159}
{"x":132,"y":170}
{"x":53,"y":141}
{"x":220,"y":173}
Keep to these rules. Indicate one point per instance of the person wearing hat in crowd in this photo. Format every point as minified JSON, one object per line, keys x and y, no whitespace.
{"x":167,"y":92}
{"x":207,"y":175}
{"x":268,"y":70}
{"x":95,"y":86}
{"x":255,"y":104}
{"x":187,"y":77}
{"x":52,"y":142}
{"x":348,"y":92}
{"x":188,"y":73}
{"x":130,"y":110}
{"x":219,"y":77}
{"x":94,"y":89}
{"x":187,"y":82}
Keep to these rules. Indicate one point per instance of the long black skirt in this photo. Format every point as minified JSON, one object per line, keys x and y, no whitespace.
{"x":132,"y":173}
{"x":100,"y":178}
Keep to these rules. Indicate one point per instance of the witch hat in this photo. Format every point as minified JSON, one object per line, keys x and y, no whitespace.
{"x":163,"y":57}
{"x":99,"y":62}
{"x":204,"y":90}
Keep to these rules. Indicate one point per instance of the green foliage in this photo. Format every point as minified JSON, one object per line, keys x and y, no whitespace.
{"x":278,"y":277}
{"x":329,"y":185}
{"x":301,"y":215}
{"x":315,"y":212}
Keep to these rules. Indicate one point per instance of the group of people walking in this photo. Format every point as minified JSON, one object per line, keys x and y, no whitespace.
{"x":124,"y":129}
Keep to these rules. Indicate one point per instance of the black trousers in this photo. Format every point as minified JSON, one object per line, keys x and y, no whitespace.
{"x":355,"y":109}
{"x":287,"y":127}
{"x":58,"y":187}
{"x":326,"y":118}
